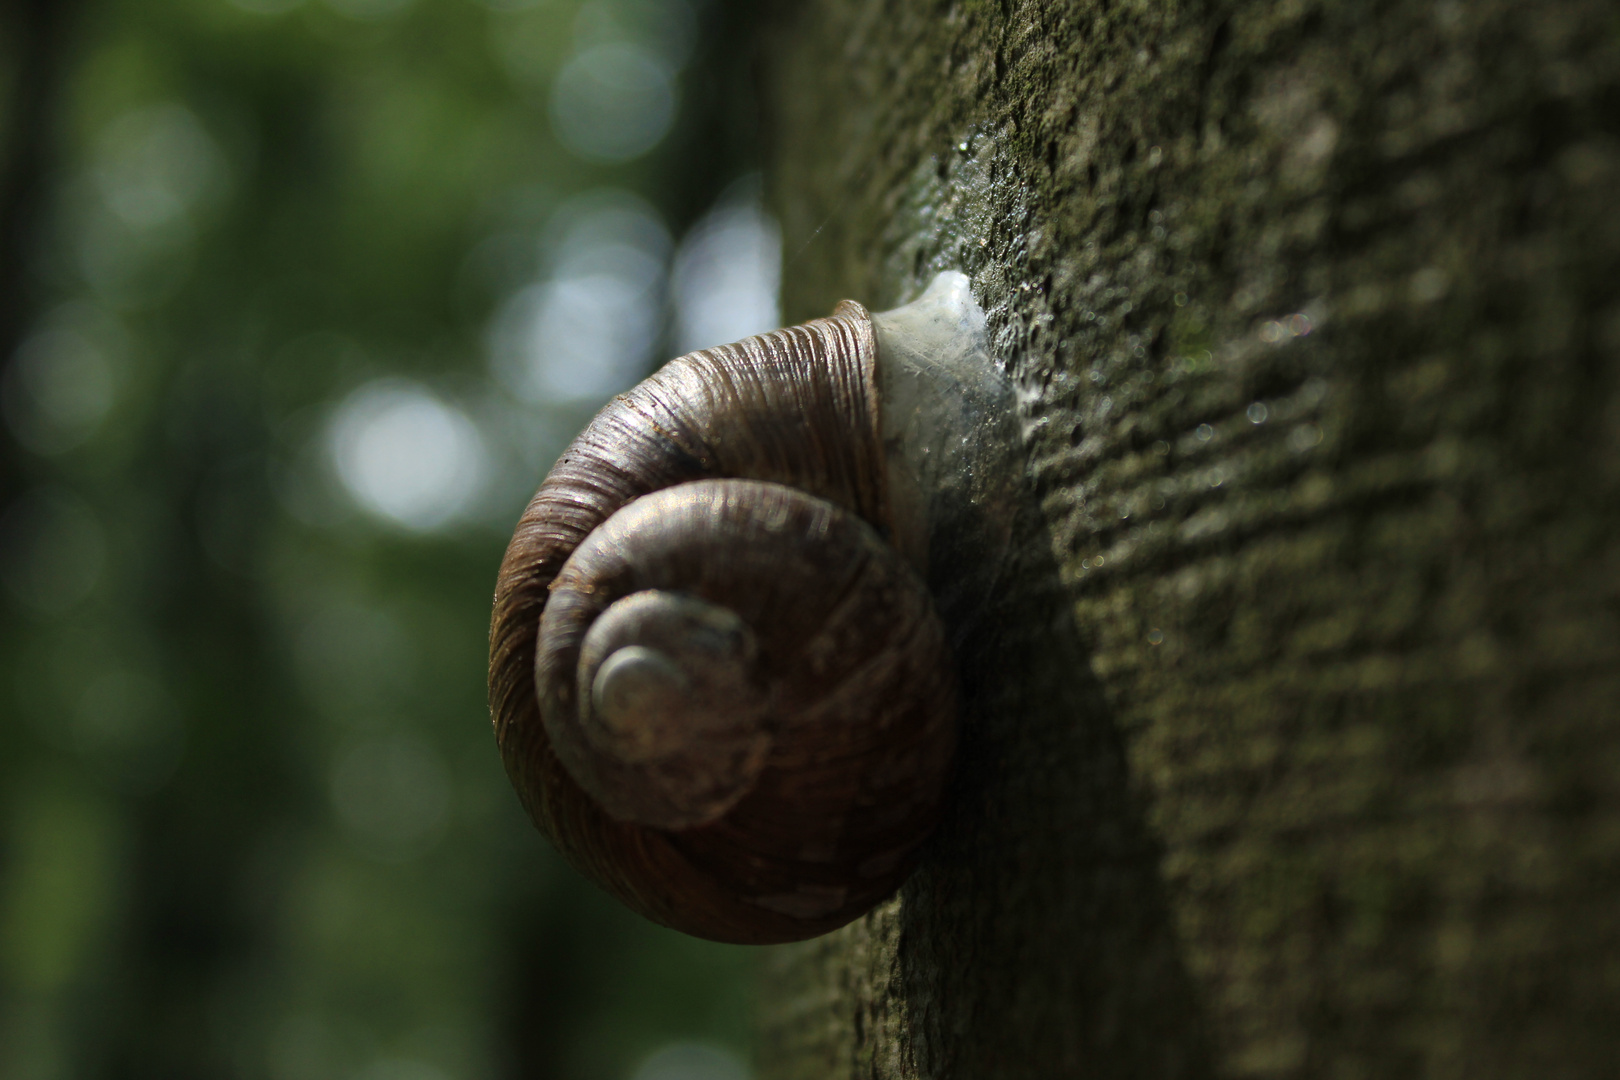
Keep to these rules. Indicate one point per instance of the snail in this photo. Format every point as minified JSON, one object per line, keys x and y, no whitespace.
{"x":719,"y":680}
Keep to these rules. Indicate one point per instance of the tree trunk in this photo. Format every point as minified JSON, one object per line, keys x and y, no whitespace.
{"x":1291,"y":747}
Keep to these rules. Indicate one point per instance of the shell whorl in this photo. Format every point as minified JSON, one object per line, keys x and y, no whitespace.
{"x":715,"y":686}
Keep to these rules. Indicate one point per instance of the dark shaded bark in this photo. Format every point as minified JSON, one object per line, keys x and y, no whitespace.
{"x":1293,"y":747}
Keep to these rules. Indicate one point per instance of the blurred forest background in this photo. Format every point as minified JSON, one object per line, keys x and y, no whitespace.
{"x":299,"y":299}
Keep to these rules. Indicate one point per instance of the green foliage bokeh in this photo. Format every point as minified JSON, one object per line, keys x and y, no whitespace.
{"x":204,"y":641}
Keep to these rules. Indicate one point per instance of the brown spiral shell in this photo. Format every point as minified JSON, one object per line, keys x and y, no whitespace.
{"x":723,"y":529}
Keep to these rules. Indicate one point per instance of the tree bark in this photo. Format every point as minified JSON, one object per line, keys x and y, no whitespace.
{"x":1292,"y":744}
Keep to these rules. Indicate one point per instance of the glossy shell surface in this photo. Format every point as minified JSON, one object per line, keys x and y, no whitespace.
{"x":740,"y":491}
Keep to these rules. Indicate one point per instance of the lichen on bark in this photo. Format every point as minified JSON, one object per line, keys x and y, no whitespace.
{"x":1292,"y":746}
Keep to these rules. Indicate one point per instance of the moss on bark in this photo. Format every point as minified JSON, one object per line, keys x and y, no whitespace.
{"x":1294,"y":747}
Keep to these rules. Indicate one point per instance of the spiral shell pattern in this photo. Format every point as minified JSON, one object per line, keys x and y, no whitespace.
{"x":715,"y":685}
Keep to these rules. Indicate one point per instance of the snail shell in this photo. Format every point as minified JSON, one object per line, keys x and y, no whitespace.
{"x":716,"y":684}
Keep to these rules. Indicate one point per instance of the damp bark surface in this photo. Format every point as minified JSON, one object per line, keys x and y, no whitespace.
{"x":1292,"y":743}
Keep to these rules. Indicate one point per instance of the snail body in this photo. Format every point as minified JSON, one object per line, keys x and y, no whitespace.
{"x":719,"y":682}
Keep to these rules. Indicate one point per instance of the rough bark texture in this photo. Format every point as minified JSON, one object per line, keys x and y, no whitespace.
{"x":1293,"y":747}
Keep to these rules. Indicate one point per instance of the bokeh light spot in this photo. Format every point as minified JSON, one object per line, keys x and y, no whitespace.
{"x":587,"y":329}
{"x":405,"y":455}
{"x":613,"y":102}
{"x":667,"y":27}
{"x":689,"y":1060}
{"x":63,"y":380}
{"x":155,"y":163}
{"x":728,"y":274}
{"x":402,"y":1069}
